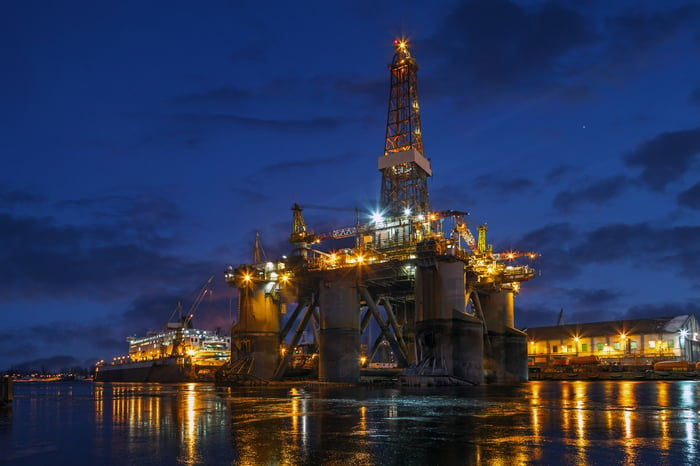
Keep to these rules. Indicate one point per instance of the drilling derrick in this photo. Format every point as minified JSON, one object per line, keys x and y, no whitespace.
{"x":405,"y":170}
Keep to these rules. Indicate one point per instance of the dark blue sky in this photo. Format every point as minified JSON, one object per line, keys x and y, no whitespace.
{"x":144,"y":143}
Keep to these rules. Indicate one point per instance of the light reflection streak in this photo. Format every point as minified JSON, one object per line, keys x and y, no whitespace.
{"x":295,"y":411}
{"x":189,"y":431}
{"x":162,"y":414}
{"x":664,"y":415}
{"x":626,"y":400}
{"x":363,"y":420}
{"x":99,"y":404}
{"x":691,"y":440}
{"x":663,"y":394}
{"x":298,"y":409}
{"x":664,"y":427}
{"x":535,"y":402}
{"x":687,"y":395}
{"x":566,"y":412}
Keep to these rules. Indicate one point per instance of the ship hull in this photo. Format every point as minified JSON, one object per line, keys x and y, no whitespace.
{"x":158,"y":371}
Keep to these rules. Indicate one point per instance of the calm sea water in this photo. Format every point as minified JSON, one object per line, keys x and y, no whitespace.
{"x":546,"y":422}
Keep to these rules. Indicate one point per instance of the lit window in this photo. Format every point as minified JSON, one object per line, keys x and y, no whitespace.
{"x":652,"y":344}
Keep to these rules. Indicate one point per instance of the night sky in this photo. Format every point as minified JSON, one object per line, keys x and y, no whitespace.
{"x":144,"y":143}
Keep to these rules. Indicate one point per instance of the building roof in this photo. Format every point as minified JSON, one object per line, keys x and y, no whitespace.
{"x":656,"y":325}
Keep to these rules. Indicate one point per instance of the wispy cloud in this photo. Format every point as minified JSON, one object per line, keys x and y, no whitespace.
{"x":666,"y":157}
{"x":597,"y":192}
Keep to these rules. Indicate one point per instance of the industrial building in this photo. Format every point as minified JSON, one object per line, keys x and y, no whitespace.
{"x":442,"y":299}
{"x":636,"y":342}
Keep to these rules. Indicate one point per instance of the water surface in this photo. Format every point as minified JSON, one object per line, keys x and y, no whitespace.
{"x":540,"y":422}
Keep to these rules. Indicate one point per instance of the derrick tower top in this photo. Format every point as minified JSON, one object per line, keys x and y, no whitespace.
{"x":405,"y":170}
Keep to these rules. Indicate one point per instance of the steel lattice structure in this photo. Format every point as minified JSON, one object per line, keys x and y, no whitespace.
{"x":404,"y":168}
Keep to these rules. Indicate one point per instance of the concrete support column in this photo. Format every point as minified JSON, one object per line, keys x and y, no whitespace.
{"x":505,"y":358}
{"x":440,"y":290}
{"x":498,"y":308}
{"x":506,"y":347}
{"x":448,"y":341}
{"x":256,"y":334}
{"x":339,"y":345}
{"x":515,"y":360}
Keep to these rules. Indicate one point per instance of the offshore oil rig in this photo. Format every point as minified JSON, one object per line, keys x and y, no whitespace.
{"x":440,"y":299}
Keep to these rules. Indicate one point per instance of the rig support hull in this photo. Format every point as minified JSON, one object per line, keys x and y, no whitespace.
{"x":255,"y":337}
{"x":339,"y":345}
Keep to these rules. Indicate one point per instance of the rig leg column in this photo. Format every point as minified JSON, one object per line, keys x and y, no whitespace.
{"x":448,"y":340}
{"x":339,"y":345}
{"x":256,"y":334}
{"x":506,"y":349}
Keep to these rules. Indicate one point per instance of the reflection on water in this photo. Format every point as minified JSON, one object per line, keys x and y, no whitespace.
{"x":541,"y":422}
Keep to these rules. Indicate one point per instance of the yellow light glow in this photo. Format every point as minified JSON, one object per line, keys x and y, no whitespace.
{"x":360,"y":258}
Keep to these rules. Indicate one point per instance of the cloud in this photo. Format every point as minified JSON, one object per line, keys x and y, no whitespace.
{"x":500,"y":49}
{"x":535,"y":317}
{"x":443,"y":196}
{"x":638,"y":30}
{"x":14,"y":197}
{"x":494,"y":46}
{"x":250,"y":196}
{"x":143,"y":217}
{"x":32,"y":342}
{"x":674,"y":247}
{"x":593,"y":298}
{"x":554,"y":243}
{"x":566,"y":250}
{"x":51,"y":364}
{"x":224,"y":95}
{"x":694,"y":97}
{"x":560,"y":171}
{"x":666,"y":157}
{"x":597,"y":192}
{"x":501,"y":184}
{"x":310,"y":125}
{"x":373,"y":89}
{"x":286,"y":166}
{"x":690,"y":197}
{"x":668,"y":309}
{"x":120,"y":244}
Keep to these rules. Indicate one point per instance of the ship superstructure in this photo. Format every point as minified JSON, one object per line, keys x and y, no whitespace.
{"x":177,"y":353}
{"x":201,"y":347}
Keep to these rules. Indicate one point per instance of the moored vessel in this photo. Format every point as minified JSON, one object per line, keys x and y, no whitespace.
{"x":178,"y":353}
